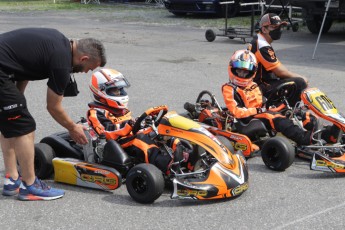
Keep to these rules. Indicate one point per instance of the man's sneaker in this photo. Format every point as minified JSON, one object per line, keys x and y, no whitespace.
{"x":11,"y":187}
{"x":39,"y":191}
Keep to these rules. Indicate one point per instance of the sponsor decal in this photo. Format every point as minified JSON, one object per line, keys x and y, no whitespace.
{"x":10,"y":107}
{"x":188,"y":192}
{"x":13,"y":118}
{"x":322,"y":163}
{"x":241,"y":146}
{"x":272,"y":54}
{"x":99,"y":179}
{"x":239,"y":189}
{"x":104,"y":172}
{"x":235,"y":137}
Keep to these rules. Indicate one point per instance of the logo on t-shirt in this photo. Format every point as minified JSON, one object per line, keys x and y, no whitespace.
{"x":272,"y":54}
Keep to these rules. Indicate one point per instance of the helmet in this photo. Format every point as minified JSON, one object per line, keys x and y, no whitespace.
{"x":107,"y":87}
{"x":242,"y":59}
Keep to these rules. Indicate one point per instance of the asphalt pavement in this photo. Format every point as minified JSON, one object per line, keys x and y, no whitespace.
{"x":171,"y":65}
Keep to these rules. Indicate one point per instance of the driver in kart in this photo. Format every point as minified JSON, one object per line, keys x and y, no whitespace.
{"x":244,"y":100}
{"x":112,"y":117}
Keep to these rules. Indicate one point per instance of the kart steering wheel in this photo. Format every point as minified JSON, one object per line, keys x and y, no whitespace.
{"x":202,"y":93}
{"x":282,"y":92}
{"x":159,"y":111}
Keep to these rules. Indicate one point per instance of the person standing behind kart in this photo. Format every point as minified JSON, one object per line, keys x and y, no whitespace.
{"x":31,"y":54}
{"x":109,"y":115}
{"x":244,"y":99}
{"x":271,"y":72}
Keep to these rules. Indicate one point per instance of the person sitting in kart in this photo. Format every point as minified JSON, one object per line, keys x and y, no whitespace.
{"x":245,"y":101}
{"x":109,"y":115}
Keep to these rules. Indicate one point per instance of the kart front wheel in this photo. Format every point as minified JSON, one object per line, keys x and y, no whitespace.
{"x":145,"y":183}
{"x":43,"y":160}
{"x":278,"y":153}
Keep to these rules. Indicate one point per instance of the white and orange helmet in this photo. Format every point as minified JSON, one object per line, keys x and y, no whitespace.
{"x":103,"y":85}
{"x":242,"y":59}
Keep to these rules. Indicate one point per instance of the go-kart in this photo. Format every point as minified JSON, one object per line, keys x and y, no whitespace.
{"x":252,"y":138}
{"x":325,"y":156}
{"x":328,"y":157}
{"x":217,"y":171}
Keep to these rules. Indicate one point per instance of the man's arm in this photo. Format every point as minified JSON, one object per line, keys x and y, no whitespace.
{"x":21,"y":85}
{"x":54,"y":107}
{"x":282,"y":72}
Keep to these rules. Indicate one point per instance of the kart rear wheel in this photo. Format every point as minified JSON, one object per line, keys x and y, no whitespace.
{"x":43,"y":160}
{"x":145,"y":183}
{"x":278,"y":153}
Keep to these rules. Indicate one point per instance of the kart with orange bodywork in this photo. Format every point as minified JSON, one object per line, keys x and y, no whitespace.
{"x":217,"y":171}
{"x":278,"y":152}
{"x":252,"y":138}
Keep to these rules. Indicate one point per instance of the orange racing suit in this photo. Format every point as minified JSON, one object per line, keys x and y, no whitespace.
{"x":246,"y":103}
{"x":140,"y":146}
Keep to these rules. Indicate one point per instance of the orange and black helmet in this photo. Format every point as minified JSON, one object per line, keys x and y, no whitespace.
{"x":245,"y":60}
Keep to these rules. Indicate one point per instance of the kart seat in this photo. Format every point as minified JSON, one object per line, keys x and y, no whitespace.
{"x":252,"y":129}
{"x":63,"y":145}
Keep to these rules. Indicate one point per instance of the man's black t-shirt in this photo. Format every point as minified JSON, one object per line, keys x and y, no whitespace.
{"x":35,"y":54}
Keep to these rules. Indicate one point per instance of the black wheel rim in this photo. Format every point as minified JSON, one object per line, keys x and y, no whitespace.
{"x":139,"y":184}
{"x":272,"y":155}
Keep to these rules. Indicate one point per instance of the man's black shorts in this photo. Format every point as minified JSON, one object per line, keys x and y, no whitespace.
{"x":15,"y":119}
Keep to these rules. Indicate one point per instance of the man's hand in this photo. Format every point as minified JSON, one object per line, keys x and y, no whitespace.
{"x":77,"y":134}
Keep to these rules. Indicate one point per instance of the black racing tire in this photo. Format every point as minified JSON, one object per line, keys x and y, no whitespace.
{"x":145,"y":183}
{"x":210,"y":35}
{"x":278,"y":153}
{"x":44,"y":155}
{"x":225,"y":141}
{"x":314,"y":24}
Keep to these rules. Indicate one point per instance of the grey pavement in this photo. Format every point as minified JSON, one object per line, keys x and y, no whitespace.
{"x":171,"y":65}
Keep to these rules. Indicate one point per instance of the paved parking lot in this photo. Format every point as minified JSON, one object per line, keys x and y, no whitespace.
{"x":171,"y":65}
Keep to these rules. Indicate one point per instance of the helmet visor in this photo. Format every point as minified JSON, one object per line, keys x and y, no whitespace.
{"x":114,"y":91}
{"x":119,"y":82}
{"x":238,"y":64}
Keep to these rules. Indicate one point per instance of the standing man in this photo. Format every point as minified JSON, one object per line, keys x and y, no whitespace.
{"x":271,"y":72}
{"x":31,"y":54}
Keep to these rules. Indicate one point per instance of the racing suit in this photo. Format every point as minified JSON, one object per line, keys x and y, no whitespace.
{"x":268,"y":61}
{"x":246,"y":103}
{"x":140,"y":146}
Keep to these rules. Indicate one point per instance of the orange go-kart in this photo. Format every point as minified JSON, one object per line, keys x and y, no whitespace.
{"x":252,"y":138}
{"x":213,"y":170}
{"x":278,"y":152}
{"x":324,"y":154}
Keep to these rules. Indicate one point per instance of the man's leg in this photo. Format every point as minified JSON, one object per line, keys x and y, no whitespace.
{"x":21,"y":149}
{"x":9,"y":156}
